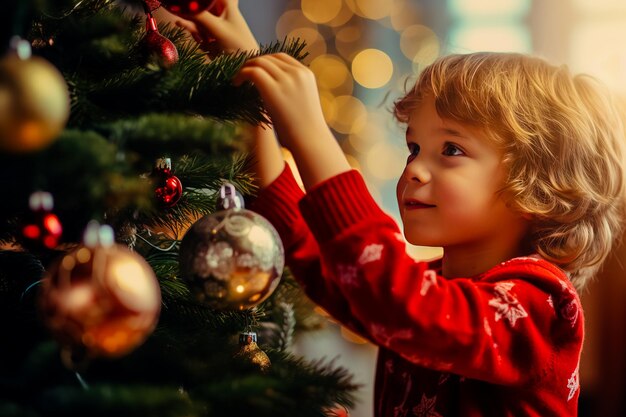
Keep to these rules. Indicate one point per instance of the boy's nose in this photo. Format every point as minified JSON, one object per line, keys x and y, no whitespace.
{"x":417,"y":171}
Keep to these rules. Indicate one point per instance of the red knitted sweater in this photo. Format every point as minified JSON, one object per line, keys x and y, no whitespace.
{"x":504,"y":343}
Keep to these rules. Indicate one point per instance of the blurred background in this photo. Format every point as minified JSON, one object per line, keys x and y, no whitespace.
{"x":364,"y":52}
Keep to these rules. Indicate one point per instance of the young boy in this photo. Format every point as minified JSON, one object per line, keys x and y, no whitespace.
{"x":515,"y":168}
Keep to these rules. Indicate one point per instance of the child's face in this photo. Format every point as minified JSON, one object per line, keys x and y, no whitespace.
{"x":448,"y":192}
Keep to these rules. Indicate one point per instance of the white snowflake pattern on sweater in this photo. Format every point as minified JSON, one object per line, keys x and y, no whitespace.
{"x":429,"y":279}
{"x":426,"y":407}
{"x":379,"y":332}
{"x":506,"y":304}
{"x":569,"y":306}
{"x":573,"y":384}
{"x":371,"y":253}
{"x":348,"y":274}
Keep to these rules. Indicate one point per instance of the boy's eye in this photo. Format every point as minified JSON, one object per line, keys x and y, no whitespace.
{"x":414,"y":150}
{"x":450,"y":149}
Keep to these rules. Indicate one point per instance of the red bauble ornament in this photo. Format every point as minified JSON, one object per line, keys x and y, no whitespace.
{"x":157,"y":47}
{"x":186,"y":8}
{"x":152,"y":5}
{"x":43,"y":229}
{"x":168,"y":189}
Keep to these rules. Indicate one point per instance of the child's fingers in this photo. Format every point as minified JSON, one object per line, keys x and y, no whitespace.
{"x":251,"y":69}
{"x":275,"y":68}
{"x":286,"y":59}
{"x":230,"y":4}
{"x":261,"y":79}
{"x":206,"y":20}
{"x":290,"y":72}
{"x":188,"y":26}
{"x":269,"y":64}
{"x":211,"y":26}
{"x":191,"y":27}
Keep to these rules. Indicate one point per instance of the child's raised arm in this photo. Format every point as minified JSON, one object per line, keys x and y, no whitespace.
{"x":289,"y":91}
{"x":229,"y":32}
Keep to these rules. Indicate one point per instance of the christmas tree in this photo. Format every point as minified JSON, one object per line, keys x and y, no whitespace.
{"x":116,"y":135}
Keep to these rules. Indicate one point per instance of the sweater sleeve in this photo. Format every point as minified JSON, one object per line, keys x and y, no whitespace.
{"x":278,"y":203}
{"x":503,"y":327}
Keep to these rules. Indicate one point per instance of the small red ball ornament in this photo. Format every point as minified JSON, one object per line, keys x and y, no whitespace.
{"x":158,"y":48}
{"x":186,"y":8}
{"x":43,"y":229}
{"x":168,"y":189}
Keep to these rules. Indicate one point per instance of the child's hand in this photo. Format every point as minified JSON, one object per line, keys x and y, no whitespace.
{"x":290,"y":95}
{"x":289,"y":92}
{"x":228,"y":32}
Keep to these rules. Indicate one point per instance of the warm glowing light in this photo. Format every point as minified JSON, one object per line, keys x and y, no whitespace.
{"x":595,"y":48}
{"x":291,"y":20}
{"x":344,"y":15}
{"x":351,"y":115}
{"x":501,"y":38}
{"x":315,"y":43}
{"x":373,"y":133}
{"x":385,"y":161}
{"x":419,"y":44}
{"x":132,"y":283}
{"x":600,"y":6}
{"x":372,"y":68}
{"x":370,"y":9}
{"x":330,"y":71}
{"x":404,"y":14}
{"x":320,"y":11}
{"x":347,"y":41}
{"x":115,"y":342}
{"x":68,"y":262}
{"x":52,"y":223}
{"x":260,"y":236}
{"x":50,"y":241}
{"x":78,"y":297}
{"x":467,"y":9}
{"x":31,"y":231}
{"x":83,"y":255}
{"x":240,"y":288}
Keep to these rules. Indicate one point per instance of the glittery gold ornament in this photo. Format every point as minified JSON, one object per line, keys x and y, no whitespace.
{"x":100,"y":299}
{"x":252,"y":352}
{"x":34,"y":100}
{"x":232,"y":259}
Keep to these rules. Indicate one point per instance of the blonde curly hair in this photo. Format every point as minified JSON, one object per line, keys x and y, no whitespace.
{"x":562,"y":139}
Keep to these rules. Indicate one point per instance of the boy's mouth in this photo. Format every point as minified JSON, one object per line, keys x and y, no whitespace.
{"x":412,"y":204}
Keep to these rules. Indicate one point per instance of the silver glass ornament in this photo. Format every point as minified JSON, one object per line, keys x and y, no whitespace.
{"x":232,"y":259}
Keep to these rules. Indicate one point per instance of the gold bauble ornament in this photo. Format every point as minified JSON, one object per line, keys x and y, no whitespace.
{"x":34,"y":101}
{"x":250,"y":351}
{"x":232,"y":259}
{"x":100,"y":300}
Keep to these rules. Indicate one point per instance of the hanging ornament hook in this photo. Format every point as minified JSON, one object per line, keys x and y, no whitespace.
{"x":229,"y":198}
